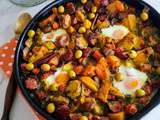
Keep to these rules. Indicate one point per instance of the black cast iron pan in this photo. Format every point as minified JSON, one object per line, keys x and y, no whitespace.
{"x":138,"y":4}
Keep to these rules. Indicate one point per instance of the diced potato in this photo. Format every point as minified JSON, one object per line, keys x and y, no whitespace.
{"x":81,"y":42}
{"x":29,"y":42}
{"x":60,"y":100}
{"x":138,"y":42}
{"x":116,"y":116}
{"x":140,"y":59}
{"x":39,"y":50}
{"x":74,"y":89}
{"x":132,"y":22}
{"x":104,"y":90}
{"x":89,"y":82}
{"x":103,"y":24}
{"x":34,"y":58}
{"x":116,"y":92}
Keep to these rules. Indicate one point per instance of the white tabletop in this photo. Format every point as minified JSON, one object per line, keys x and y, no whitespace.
{"x":9,"y":13}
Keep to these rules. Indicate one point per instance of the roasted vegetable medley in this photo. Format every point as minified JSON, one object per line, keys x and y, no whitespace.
{"x":93,"y":60}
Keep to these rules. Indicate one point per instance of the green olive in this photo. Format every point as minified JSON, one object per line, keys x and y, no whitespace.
{"x":144,"y":16}
{"x":31,"y":33}
{"x":133,"y":54}
{"x":45,"y":67}
{"x":54,"y":87}
{"x":83,"y":1}
{"x":78,"y":54}
{"x":50,"y":108}
{"x":67,"y":67}
{"x":84,"y":118}
{"x":118,"y":76}
{"x":72,"y":74}
{"x":82,"y":30}
{"x":94,"y":9}
{"x":140,"y":93}
{"x":61,"y":9}
{"x":91,"y":15}
{"x":29,"y":66}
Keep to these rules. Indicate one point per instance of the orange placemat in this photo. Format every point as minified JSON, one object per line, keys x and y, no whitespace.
{"x":6,"y":61}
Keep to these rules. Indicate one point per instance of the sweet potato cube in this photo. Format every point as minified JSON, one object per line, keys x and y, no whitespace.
{"x":104,"y":90}
{"x":102,"y":70}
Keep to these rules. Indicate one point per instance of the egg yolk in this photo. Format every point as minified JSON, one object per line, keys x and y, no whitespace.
{"x":118,"y":34}
{"x":131,"y":84}
{"x":62,"y":78}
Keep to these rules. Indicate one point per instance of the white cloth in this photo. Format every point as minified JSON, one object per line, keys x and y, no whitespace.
{"x":9,"y":13}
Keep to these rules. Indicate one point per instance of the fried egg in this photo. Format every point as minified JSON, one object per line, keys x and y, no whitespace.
{"x":52,"y":78}
{"x":133,"y":79}
{"x":116,"y":32}
{"x":52,"y":36}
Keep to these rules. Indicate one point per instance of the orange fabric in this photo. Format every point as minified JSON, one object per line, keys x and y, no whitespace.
{"x":6,"y":61}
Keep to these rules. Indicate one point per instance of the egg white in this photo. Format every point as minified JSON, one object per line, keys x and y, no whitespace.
{"x":52,"y":78}
{"x":129,"y":74}
{"x":109,"y":32}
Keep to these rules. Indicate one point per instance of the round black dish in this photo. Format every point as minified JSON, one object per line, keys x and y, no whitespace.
{"x":138,"y":4}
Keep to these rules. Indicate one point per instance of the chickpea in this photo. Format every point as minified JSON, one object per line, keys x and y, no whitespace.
{"x":84,"y":118}
{"x":140,"y":93}
{"x":144,"y":16}
{"x":91,"y":16}
{"x":45,"y":67}
{"x":133,"y":54}
{"x":72,"y":74}
{"x":50,"y":108}
{"x":78,"y":54}
{"x":94,"y":9}
{"x":29,"y":66}
{"x":54,"y":87}
{"x":83,"y":1}
{"x":31,"y":33}
{"x":118,"y":76}
{"x":87,"y":24}
{"x":158,"y":70}
{"x":61,"y":9}
{"x":71,"y":29}
{"x":82,"y":30}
